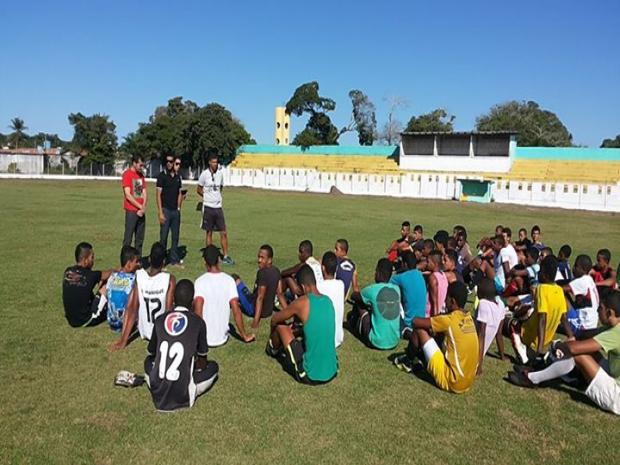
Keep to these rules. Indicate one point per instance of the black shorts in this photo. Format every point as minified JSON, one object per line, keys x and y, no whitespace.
{"x":360,"y":325}
{"x":213,"y":219}
{"x":293,"y":363}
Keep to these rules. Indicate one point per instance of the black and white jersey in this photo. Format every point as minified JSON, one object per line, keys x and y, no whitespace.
{"x":178,"y":337}
{"x":152,"y":292}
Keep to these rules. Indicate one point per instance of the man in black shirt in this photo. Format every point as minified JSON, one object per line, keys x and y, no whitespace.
{"x":260,"y":303}
{"x":177,"y":370}
{"x":82,"y":307}
{"x":169,"y":201}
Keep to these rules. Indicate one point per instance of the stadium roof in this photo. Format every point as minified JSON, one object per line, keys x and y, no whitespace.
{"x":458,"y":133}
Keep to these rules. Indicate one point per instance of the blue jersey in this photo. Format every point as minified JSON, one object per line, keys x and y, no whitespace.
{"x":345,"y":272}
{"x":118,"y":288}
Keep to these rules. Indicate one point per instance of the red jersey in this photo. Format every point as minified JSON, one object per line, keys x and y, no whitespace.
{"x":137,"y":187}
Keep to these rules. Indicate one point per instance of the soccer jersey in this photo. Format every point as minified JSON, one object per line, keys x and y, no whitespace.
{"x":549,"y":299}
{"x":320,"y":360}
{"x":609,"y":340}
{"x":118,"y":288}
{"x":345,"y":272}
{"x":413,"y":294}
{"x":77,"y":296}
{"x":532,"y":274}
{"x":178,"y":337}
{"x":334,"y":289}
{"x":385,"y":311}
{"x":152,"y":292}
{"x":460,"y":347}
{"x":586,"y":303}
{"x":217,"y":290}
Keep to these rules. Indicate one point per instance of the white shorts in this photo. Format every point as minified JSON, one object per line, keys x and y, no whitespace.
{"x":605,"y":392}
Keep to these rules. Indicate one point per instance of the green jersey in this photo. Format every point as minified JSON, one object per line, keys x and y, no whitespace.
{"x":384,"y":301}
{"x":609,"y":340}
{"x":320,"y":362}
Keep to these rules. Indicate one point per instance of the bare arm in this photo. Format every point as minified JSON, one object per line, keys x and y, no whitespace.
{"x":170,"y":294}
{"x":160,"y":211}
{"x":422,"y":323}
{"x":199,"y":190}
{"x":294,"y":309}
{"x":609,"y":282}
{"x":482,"y":329}
{"x":234,"y":305}
{"x":567,"y":328}
{"x":281,"y":298}
{"x":198,"y":305}
{"x":356,"y":285}
{"x":434,"y":298}
{"x":291,"y":271}
{"x":587,"y":346}
{"x":258,"y":306}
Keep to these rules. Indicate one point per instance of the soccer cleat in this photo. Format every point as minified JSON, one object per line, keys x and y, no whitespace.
{"x":269,"y":350}
{"x":520,"y":379}
{"x":228,"y":261}
{"x":125,"y":378}
{"x":404,"y":363}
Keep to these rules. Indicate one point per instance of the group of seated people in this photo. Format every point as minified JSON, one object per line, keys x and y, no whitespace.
{"x":447,"y":300}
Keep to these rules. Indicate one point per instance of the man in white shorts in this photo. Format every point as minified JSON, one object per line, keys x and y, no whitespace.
{"x":602,"y":375}
{"x":214,"y":296}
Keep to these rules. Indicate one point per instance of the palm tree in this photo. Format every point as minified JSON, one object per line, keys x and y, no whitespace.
{"x":18,"y":126}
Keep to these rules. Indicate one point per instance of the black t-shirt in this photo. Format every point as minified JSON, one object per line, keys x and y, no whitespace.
{"x":268,"y":277}
{"x":525,"y":243}
{"x":77,"y":297}
{"x":178,"y":337}
{"x":170,"y":187}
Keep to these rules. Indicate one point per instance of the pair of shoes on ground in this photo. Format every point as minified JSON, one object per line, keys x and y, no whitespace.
{"x":126,"y":378}
{"x":406,"y":364}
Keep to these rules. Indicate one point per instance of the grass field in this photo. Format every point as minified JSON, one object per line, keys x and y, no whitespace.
{"x":59,"y":404}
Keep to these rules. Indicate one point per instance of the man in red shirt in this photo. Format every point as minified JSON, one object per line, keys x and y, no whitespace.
{"x":134,"y":190}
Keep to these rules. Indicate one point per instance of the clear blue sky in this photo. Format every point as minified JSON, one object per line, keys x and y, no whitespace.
{"x":124,"y":58}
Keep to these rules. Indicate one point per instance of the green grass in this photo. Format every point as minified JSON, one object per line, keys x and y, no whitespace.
{"x":59,"y":405}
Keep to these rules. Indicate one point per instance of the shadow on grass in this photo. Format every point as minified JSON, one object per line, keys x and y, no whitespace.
{"x":418,"y":372}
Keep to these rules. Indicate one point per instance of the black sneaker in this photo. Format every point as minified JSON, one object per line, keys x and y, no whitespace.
{"x":520,"y":379}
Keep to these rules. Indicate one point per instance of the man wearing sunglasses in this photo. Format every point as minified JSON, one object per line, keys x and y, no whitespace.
{"x":210,"y":185}
{"x":169,"y":201}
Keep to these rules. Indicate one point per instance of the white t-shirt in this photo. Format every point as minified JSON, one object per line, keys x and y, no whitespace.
{"x":334,"y":289}
{"x":211,"y":184}
{"x":316,"y":267}
{"x":587,"y":317}
{"x":217,"y":290}
{"x":491,"y":313}
{"x":507,"y":255}
{"x":152,"y":292}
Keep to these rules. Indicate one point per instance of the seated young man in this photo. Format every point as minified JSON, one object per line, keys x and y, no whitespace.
{"x":119,"y":287}
{"x":413,"y":294}
{"x":603,"y":274}
{"x":532,"y":329}
{"x":449,"y":263}
{"x":346,"y":271}
{"x":82,"y":306}
{"x":177,"y":370}
{"x":310,"y":357}
{"x":375,"y":317}
{"x":305,"y":256}
{"x":456,"y":370}
{"x":525,"y":277}
{"x":334,"y":289}
{"x":215,"y":298}
{"x":402,"y":243}
{"x":505,"y":260}
{"x":565,"y":273}
{"x":489,"y":318}
{"x":602,"y":376}
{"x":437,"y":284}
{"x":523,"y":243}
{"x":537,"y":238}
{"x":260,"y":303}
{"x":583,"y":295}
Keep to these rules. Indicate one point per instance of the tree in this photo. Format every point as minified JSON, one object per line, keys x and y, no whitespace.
{"x":535,"y":126}
{"x":19,"y":127}
{"x":319,"y":130}
{"x":390,"y":134}
{"x":183,"y":128}
{"x":435,"y":121}
{"x":94,"y":137}
{"x":611,"y":143}
{"x":363,"y":118}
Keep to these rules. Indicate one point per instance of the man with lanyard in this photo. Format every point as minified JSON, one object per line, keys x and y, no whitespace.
{"x":169,"y":201}
{"x":134,"y":191}
{"x":210,"y":185}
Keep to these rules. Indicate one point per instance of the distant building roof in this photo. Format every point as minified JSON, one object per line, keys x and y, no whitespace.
{"x":28,"y":151}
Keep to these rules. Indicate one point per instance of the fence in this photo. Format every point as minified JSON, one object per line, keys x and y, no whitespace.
{"x":596,"y":197}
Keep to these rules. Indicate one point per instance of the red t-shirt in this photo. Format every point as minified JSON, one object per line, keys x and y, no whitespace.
{"x":137,"y":187}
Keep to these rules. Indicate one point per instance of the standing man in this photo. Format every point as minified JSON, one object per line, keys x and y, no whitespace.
{"x":169,"y":201}
{"x":134,"y":190}
{"x":210,"y":185}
